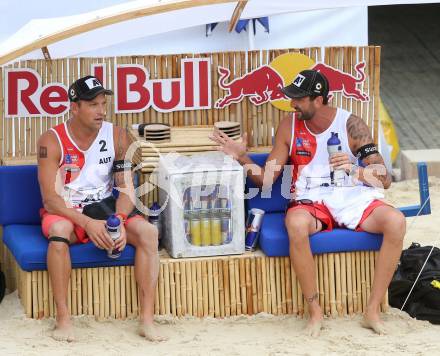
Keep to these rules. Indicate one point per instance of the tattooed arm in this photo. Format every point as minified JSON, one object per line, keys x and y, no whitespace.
{"x":374,"y":174}
{"x":49,"y":178}
{"x":124,"y":179}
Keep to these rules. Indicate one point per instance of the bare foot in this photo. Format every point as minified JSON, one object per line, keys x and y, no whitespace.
{"x":150,"y":333}
{"x":63,"y":331}
{"x":374,"y":324}
{"x":313,"y":327}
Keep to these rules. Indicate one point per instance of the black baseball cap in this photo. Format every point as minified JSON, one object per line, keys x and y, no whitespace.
{"x":87,"y":88}
{"x":308,"y":82}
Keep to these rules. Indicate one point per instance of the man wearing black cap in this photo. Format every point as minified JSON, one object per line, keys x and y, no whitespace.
{"x":79,"y":162}
{"x":324,"y":145}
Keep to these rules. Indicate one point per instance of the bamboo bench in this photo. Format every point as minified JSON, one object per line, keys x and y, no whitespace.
{"x":215,"y":286}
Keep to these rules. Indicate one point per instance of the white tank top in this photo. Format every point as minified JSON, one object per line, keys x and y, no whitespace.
{"x":311,"y":170}
{"x":86,"y":175}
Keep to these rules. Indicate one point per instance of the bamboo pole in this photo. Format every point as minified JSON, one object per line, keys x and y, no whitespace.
{"x":173,"y":306}
{"x":353,"y":282}
{"x":211,"y":302}
{"x":95,"y":293}
{"x":338,"y":285}
{"x":189,"y":291}
{"x":221,"y":288}
{"x":35,"y":294}
{"x":162,"y":289}
{"x":205,"y":288}
{"x":273,"y":286}
{"x":46,"y":295}
{"x":233,"y":299}
{"x":166,"y":276}
{"x":252,"y":286}
{"x":358,"y":282}
{"x":117,"y":283}
{"x":123,"y":294}
{"x":112,"y":292}
{"x":367,"y":275}
{"x":29,"y":285}
{"x":237,"y":287}
{"x":344,"y":282}
{"x":183,"y":288}
{"x":178,"y":289}
{"x":199,"y":284}
{"x":101,"y":292}
{"x":326,"y":285}
{"x":40,"y":294}
{"x":90,"y":306}
{"x":73,"y":290}
{"x":243,"y":294}
{"x":278,"y":285}
{"x":288,"y":279}
{"x":216,"y":289}
{"x":363,"y":279}
{"x":260,"y":287}
{"x":106,"y":293}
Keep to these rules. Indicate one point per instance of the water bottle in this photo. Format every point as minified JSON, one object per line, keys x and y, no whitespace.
{"x":337,"y":176}
{"x":113,"y":226}
{"x":153,"y":218}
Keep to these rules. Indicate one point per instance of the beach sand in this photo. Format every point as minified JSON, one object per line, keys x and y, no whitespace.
{"x":244,"y":335}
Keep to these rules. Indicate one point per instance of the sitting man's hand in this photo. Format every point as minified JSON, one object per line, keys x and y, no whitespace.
{"x":236,"y":149}
{"x":122,"y":241}
{"x":341,"y":160}
{"x":97,"y":232}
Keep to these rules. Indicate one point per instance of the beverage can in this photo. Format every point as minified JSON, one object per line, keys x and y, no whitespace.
{"x":253,"y":226}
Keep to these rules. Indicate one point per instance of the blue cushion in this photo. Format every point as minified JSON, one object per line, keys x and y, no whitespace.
{"x":274,"y":240}
{"x":20,"y":198}
{"x":274,"y":200}
{"x":29,"y":247}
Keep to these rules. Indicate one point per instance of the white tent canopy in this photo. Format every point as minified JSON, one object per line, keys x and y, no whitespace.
{"x":170,"y":26}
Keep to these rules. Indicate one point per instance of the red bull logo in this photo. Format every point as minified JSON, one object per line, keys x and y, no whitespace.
{"x":261,"y":85}
{"x":340,"y":81}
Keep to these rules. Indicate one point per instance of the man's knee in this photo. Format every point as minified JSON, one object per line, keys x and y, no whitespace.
{"x":395,"y":226}
{"x":146,"y":236}
{"x":297,"y":226}
{"x":62,"y":228}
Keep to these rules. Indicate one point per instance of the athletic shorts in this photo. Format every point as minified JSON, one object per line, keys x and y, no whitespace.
{"x":100,"y":211}
{"x":321,"y":212}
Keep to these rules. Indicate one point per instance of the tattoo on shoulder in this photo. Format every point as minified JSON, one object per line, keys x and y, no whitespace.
{"x":358,"y":130}
{"x":42,"y":152}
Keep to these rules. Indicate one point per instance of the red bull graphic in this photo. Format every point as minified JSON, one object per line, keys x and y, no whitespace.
{"x":261,"y":85}
{"x":345,"y":82}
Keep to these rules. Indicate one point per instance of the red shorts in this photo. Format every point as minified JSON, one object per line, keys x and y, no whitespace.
{"x":320,"y":212}
{"x":48,"y":219}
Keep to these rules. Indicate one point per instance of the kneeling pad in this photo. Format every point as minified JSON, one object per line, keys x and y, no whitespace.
{"x":274,"y":240}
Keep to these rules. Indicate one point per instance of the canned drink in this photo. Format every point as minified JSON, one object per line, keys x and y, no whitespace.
{"x":253,"y":225}
{"x":216,"y":232}
{"x":205,"y":229}
{"x":196,"y":237}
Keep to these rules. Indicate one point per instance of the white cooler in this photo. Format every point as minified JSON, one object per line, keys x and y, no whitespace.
{"x":202,"y":196}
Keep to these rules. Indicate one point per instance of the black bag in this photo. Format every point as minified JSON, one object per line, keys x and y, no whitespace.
{"x":2,"y":286}
{"x":424,"y":302}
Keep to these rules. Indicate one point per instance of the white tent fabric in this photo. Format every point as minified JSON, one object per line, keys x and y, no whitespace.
{"x":338,"y":17}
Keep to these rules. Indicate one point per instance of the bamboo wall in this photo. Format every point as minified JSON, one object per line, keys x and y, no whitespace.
{"x":18,"y":135}
{"x":217,"y":287}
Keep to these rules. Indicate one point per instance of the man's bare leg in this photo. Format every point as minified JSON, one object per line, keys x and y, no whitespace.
{"x":300,"y":225}
{"x":391,"y":223}
{"x":59,"y":267}
{"x":144,"y":237}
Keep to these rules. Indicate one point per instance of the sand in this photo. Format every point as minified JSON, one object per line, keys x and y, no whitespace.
{"x":245,"y":335}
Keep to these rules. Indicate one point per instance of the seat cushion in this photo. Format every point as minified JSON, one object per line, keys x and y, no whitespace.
{"x":276,"y":197}
{"x":274,"y":240}
{"x":29,"y":247}
{"x":20,"y":198}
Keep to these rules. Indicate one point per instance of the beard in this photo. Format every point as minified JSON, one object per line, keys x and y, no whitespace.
{"x":304,"y":115}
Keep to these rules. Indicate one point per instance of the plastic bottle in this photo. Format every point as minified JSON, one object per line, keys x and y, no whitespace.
{"x":334,"y":146}
{"x":113,"y":226}
{"x":153,"y":218}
